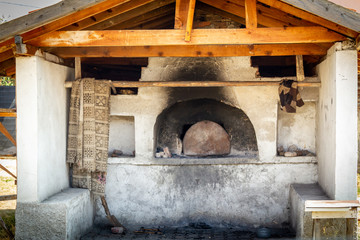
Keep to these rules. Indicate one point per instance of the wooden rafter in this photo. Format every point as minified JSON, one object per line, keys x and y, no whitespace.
{"x":105,"y":15}
{"x":163,"y":22}
{"x":250,"y":14}
{"x":130,"y":15}
{"x":4,"y":131}
{"x":146,"y":18}
{"x":309,"y":17}
{"x":217,"y":11}
{"x":181,"y":13}
{"x":192,"y":51}
{"x":189,"y":20}
{"x":175,"y":37}
{"x":269,"y":17}
{"x":6,"y":55}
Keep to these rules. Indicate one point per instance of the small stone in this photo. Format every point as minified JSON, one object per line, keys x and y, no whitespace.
{"x":290,"y":154}
{"x":117,"y":230}
{"x":167,"y":152}
{"x":160,"y":155}
{"x":281,"y":153}
{"x":292,"y":148}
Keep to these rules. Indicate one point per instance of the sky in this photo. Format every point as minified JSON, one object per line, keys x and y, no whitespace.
{"x":10,"y":9}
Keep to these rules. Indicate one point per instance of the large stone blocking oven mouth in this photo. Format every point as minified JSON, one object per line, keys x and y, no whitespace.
{"x":205,"y":128}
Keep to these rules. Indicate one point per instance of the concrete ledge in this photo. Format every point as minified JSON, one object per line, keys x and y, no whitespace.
{"x":210,"y":161}
{"x":300,"y":220}
{"x":65,"y":215}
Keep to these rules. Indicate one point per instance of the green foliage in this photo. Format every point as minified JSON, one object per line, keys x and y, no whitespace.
{"x":9,"y":218}
{"x":7,"y":81}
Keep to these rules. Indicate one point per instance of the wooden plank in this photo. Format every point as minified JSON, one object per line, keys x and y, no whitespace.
{"x":133,"y":84}
{"x":330,"y":11}
{"x":6,"y":170}
{"x":77,"y":68}
{"x":11,"y":110}
{"x":175,"y":37}
{"x":217,"y":11}
{"x":10,"y":71}
{"x":192,"y":51}
{"x":6,"y":55}
{"x":105,"y":15}
{"x":331,"y":203}
{"x":300,"y":75}
{"x":51,"y":17}
{"x":8,"y":197}
{"x":250,"y":14}
{"x":296,"y":11}
{"x":145,"y":18}
{"x":138,"y":12}
{"x":189,"y":20}
{"x":181,"y":11}
{"x":334,"y":214}
{"x":358,"y":43}
{"x":4,"y":131}
{"x":238,"y":8}
{"x":7,"y":114}
{"x":158,"y":22}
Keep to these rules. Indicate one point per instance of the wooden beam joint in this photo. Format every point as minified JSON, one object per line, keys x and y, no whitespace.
{"x":22,"y":49}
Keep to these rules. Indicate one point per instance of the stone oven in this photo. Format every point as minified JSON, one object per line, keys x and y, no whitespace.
{"x":246,"y":184}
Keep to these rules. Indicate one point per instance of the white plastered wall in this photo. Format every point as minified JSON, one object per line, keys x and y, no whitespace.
{"x":337,"y":123}
{"x":41,"y":128}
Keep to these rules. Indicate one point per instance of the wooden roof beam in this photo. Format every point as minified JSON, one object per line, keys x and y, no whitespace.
{"x":265,"y":16}
{"x":175,"y":37}
{"x":217,"y":11}
{"x":309,"y":17}
{"x":190,"y":20}
{"x":6,"y":55}
{"x":251,"y":14}
{"x":130,"y":15}
{"x":105,"y":15}
{"x":181,"y":13}
{"x":191,"y":51}
{"x":145,"y":18}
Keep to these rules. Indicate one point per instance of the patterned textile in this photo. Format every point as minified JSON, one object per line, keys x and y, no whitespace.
{"x":88,"y":136}
{"x":289,"y":96}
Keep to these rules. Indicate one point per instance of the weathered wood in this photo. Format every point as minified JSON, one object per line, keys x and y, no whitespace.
{"x":250,"y":14}
{"x":300,"y":75}
{"x":52,"y":16}
{"x":6,"y":110}
{"x":334,"y":214}
{"x":111,"y":218}
{"x":77,"y":67}
{"x":4,"y":131}
{"x":8,"y":197}
{"x":154,"y":15}
{"x":6,"y":170}
{"x":331,"y":203}
{"x":123,"y":17}
{"x":181,"y":10}
{"x":3,"y":225}
{"x":133,"y":84}
{"x":193,"y":51}
{"x":189,"y":20}
{"x":217,"y":11}
{"x":7,"y":114}
{"x":321,"y":20}
{"x":330,"y":11}
{"x":102,"y":16}
{"x":6,"y":55}
{"x":358,"y":43}
{"x":175,"y":37}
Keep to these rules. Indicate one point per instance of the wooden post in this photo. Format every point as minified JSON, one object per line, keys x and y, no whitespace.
{"x":190,"y":19}
{"x":300,"y":75}
{"x":77,"y":68}
{"x":250,"y":14}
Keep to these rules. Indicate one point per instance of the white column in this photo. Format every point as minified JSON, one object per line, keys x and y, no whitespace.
{"x":337,"y":123}
{"x":41,"y":128}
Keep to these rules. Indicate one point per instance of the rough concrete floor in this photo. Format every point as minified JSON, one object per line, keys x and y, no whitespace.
{"x":186,"y":233}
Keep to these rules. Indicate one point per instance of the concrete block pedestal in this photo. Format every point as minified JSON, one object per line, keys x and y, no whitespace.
{"x":65,"y":215}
